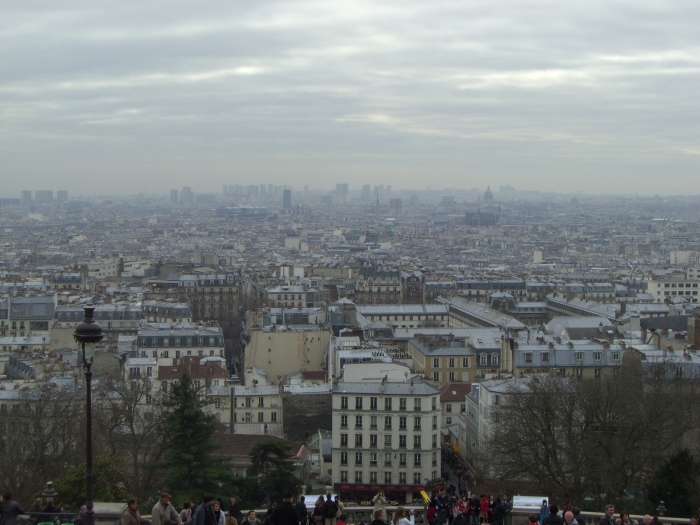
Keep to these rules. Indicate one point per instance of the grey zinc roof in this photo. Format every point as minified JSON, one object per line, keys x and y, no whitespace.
{"x":405,"y":309}
{"x":419,"y":388}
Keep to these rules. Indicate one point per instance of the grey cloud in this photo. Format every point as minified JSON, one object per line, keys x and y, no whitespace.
{"x":568,"y":96}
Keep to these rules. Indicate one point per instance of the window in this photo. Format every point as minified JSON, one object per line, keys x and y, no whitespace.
{"x":483,"y":359}
{"x":579,"y":356}
{"x":417,"y":441}
{"x":247,"y":402}
{"x":373,"y":476}
{"x":248,"y":417}
{"x":597,"y":356}
{"x":358,"y":440}
{"x":434,"y":459}
{"x":402,"y":459}
{"x":387,"y":478}
{"x":545,"y":357}
{"x":434,"y":445}
{"x":343,"y":402}
{"x":402,"y":441}
{"x":434,"y":422}
{"x":387,"y":403}
{"x":261,"y":401}
{"x":402,"y":403}
{"x":416,"y":404}
{"x":416,"y":478}
{"x":448,"y":420}
{"x":358,"y":458}
{"x":579,"y":372}
{"x":387,"y":459}
{"x":465,"y":362}
{"x":494,"y":359}
{"x":261,"y":417}
{"x":358,"y":421}
{"x":372,"y":422}
{"x":343,"y":440}
{"x":416,"y":422}
{"x":344,"y":476}
{"x":616,"y":356}
{"x":528,"y":357}
{"x":358,"y":476}
{"x":358,"y":403}
{"x":436,"y":376}
{"x":387,"y":422}
{"x":417,"y":460}
{"x":387,"y":440}
{"x":273,"y":417}
{"x":402,"y":423}
{"x":434,"y":400}
{"x":372,"y":459}
{"x":402,"y":477}
{"x":451,"y":362}
{"x":373,"y":440}
{"x":596,"y":373}
{"x":343,"y":421}
{"x":497,"y":400}
{"x":343,"y":458}
{"x":448,"y":407}
{"x":373,"y":403}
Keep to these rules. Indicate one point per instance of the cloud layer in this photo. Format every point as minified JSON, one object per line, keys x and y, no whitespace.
{"x":591,"y":96}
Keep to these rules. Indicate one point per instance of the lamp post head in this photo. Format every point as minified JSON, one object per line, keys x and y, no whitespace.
{"x":88,"y":332}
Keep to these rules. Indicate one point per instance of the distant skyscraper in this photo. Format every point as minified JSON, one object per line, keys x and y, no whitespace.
{"x":62,"y":196}
{"x":341,"y":189}
{"x":287,"y":200}
{"x":388,"y":192}
{"x":263,"y":190}
{"x":173,"y":196}
{"x":365,"y":192}
{"x":187,"y":195}
{"x":270,"y":190}
{"x":395,"y":206}
{"x":43,"y":196}
{"x":26,"y":197}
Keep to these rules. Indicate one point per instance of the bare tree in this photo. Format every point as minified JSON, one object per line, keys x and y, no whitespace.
{"x":129,"y":424}
{"x":574,"y":437}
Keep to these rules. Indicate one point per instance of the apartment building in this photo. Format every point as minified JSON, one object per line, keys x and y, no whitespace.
{"x":376,"y":285}
{"x":296,"y":296}
{"x":212,"y":296}
{"x":164,"y":342}
{"x":674,"y":286}
{"x":257,"y":409}
{"x":386,"y":437}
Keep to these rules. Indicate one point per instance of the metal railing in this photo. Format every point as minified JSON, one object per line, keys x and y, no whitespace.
{"x":57,"y":518}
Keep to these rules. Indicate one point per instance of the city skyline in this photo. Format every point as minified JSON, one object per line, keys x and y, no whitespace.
{"x":125,"y":98}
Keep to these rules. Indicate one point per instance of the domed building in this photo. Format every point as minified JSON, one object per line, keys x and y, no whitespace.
{"x":488,"y":196}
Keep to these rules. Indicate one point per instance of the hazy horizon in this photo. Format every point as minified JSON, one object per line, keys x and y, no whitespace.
{"x":596,"y":97}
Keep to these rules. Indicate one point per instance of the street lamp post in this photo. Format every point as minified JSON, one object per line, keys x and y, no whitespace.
{"x":87,"y":334}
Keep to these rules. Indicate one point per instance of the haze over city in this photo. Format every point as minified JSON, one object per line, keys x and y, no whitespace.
{"x":121,"y":98}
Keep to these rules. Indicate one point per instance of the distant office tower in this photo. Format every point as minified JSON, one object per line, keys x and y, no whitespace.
{"x":379,"y":192}
{"x":62,"y":196}
{"x":388,"y":192}
{"x":263,"y":190}
{"x":173,"y":196}
{"x":187,"y":195}
{"x":26,"y":197}
{"x":43,"y":196}
{"x":365,"y":192}
{"x":395,"y":206}
{"x":287,"y":200}
{"x":253,"y":191}
{"x":341,"y":189}
{"x":270,"y":190}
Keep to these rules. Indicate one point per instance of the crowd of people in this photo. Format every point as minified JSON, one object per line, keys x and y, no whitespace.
{"x":469,"y":509}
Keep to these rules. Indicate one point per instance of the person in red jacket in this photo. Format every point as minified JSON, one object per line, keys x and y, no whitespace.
{"x":484,"y":507}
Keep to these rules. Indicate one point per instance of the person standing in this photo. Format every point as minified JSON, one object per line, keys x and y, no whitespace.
{"x":378,"y":518}
{"x":302,"y":511}
{"x":163,"y":511}
{"x":569,"y":518}
{"x":131,"y":515}
{"x":379,"y":503}
{"x":10,"y":509}
{"x":251,"y":519}
{"x":330,"y":510}
{"x":498,"y":512}
{"x":82,"y":516}
{"x":219,"y":516}
{"x":607,"y":518}
{"x":508,"y":505}
{"x":553,"y":517}
{"x":235,"y":510}
{"x":474,"y":509}
{"x":400,"y":517}
{"x":205,"y":512}
{"x":286,"y":513}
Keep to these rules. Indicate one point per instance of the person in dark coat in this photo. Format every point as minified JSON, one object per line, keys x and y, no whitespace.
{"x":499,"y":512}
{"x":286,"y":513}
{"x":607,"y":518}
{"x":10,"y":509}
{"x":302,"y":511}
{"x":235,"y":510}
{"x":553,"y":518}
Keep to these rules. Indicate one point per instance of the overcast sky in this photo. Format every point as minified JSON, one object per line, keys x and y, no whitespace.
{"x":601,"y":97}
